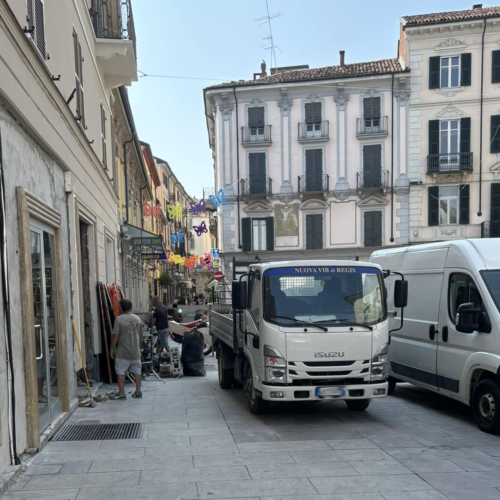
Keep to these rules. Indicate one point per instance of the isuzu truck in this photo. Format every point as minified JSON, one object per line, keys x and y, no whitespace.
{"x":306,"y":331}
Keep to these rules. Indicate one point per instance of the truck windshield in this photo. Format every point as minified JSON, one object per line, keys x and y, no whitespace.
{"x":327,"y":295}
{"x":492,"y":280}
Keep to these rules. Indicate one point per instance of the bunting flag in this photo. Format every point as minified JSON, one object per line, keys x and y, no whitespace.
{"x":202,"y":228}
{"x":218,"y":199}
{"x":174,"y":211}
{"x":177,"y":238}
{"x":151,"y":210}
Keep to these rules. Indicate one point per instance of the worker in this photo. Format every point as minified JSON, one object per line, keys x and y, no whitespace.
{"x":160,"y":320}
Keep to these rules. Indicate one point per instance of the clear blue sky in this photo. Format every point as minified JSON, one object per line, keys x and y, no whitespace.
{"x":219,"y":39}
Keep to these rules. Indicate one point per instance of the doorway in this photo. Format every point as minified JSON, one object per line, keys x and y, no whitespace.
{"x":45,"y":301}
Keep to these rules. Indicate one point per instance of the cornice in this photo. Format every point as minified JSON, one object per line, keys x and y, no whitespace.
{"x":448,"y":34}
{"x":42,"y":76}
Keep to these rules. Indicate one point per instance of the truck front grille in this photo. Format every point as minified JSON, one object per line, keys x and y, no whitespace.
{"x":327,"y":381}
{"x":328,"y":363}
{"x":328,"y":374}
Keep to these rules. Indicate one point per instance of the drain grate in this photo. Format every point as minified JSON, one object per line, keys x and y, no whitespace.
{"x":78,"y":432}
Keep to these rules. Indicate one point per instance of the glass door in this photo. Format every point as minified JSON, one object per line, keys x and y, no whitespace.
{"x":45,"y":326}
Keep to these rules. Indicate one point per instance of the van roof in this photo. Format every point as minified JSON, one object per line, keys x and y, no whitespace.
{"x":315,"y":263}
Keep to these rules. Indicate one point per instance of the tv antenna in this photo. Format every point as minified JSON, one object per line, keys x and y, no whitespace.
{"x":270,"y":46}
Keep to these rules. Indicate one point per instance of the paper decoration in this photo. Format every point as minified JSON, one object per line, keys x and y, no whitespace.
{"x":198,"y":207}
{"x":202,"y":228}
{"x":174,"y":211}
{"x":177,"y":238}
{"x":218,"y":199}
{"x":151,"y":210}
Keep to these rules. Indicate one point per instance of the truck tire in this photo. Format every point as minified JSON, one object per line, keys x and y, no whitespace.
{"x":392,"y":385}
{"x":226,"y":375}
{"x":486,"y":406}
{"x":255,"y":403}
{"x":357,"y":404}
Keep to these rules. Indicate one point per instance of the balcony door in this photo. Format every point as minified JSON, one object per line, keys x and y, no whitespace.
{"x":372,"y":166}
{"x":314,"y":170}
{"x":313,"y":119}
{"x":256,"y":124}
{"x":449,"y":144}
{"x":257,"y":173}
{"x":45,"y":301}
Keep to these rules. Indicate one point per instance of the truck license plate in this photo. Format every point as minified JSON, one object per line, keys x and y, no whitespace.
{"x":332,"y":392}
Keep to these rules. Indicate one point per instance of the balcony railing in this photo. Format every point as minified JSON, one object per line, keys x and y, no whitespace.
{"x":373,"y":180}
{"x":374,"y":126}
{"x":490,"y":229}
{"x":449,"y":162}
{"x":262,"y":185}
{"x":256,"y":136}
{"x":314,"y":131}
{"x":113,"y":19}
{"x":314,"y":183}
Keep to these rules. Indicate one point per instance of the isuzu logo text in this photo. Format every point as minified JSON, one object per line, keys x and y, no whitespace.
{"x":329,"y":354}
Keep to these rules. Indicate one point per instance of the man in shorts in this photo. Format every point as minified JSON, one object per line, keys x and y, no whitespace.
{"x":127,"y":338}
{"x":160,"y":320}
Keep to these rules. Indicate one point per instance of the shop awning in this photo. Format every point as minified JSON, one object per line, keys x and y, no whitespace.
{"x":145,"y":245}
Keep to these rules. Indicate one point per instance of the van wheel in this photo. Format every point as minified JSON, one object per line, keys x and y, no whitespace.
{"x":226,"y":375}
{"x":486,"y":406}
{"x":392,"y":385}
{"x":357,"y":404}
{"x":256,"y":404}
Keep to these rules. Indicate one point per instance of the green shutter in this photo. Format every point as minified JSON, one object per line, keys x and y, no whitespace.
{"x":309,"y":232}
{"x":495,"y":66}
{"x":246,"y":233}
{"x":464,"y":203}
{"x":465,"y":163}
{"x":373,"y":229}
{"x":433,"y":137}
{"x":434,"y":63}
{"x":317,"y":112}
{"x":495,"y":134}
{"x":433,"y":205}
{"x":252,"y":117}
{"x":465,"y":76}
{"x":309,"y":111}
{"x":495,"y":203}
{"x":318,"y":231}
{"x":270,"y":233}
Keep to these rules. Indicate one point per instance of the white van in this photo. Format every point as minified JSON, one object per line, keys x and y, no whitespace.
{"x":450,"y":340}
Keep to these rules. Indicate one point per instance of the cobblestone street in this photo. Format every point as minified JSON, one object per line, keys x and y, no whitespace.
{"x":201,"y":442}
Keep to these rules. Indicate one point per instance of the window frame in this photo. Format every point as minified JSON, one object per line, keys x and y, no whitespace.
{"x":448,"y":130}
{"x":372,"y":126}
{"x":468,"y":282}
{"x":449,"y":197}
{"x":323,"y":229}
{"x":254,"y":282}
{"x":261,"y":227}
{"x":259,"y":132}
{"x":313,"y":129}
{"x":449,"y":67}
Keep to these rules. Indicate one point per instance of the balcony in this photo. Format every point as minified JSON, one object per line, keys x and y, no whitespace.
{"x":314,"y":184}
{"x":261,"y":187}
{"x":256,"y":136}
{"x":314,"y":132}
{"x":490,"y":229}
{"x":376,"y":127}
{"x":449,"y":162}
{"x":372,"y":181}
{"x":115,"y":45}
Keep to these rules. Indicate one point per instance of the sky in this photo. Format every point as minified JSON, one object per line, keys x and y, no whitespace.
{"x":219,"y":40}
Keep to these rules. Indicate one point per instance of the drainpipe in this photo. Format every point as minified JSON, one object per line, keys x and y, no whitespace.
{"x":392,"y":160}
{"x":240,"y":246}
{"x":142,"y":207}
{"x":126,"y":175}
{"x":480,"y":213}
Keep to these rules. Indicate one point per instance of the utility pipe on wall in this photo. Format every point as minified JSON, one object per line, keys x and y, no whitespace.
{"x":480,"y":213}
{"x":240,"y":246}
{"x":392,"y":160}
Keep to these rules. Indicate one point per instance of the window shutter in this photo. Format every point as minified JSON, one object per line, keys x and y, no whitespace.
{"x":39,"y":23}
{"x":433,"y":205}
{"x":433,"y":137}
{"x":318,"y":231}
{"x":434,"y":63}
{"x":252,"y":117}
{"x":465,"y":76}
{"x":368,"y":229}
{"x":495,"y":133}
{"x":465,"y":135}
{"x":103,"y":134}
{"x":309,"y":232}
{"x":318,"y":162}
{"x":464,"y":203}
{"x":260,"y":116}
{"x":376,"y":107}
{"x":495,"y":66}
{"x":377,"y":229}
{"x":246,"y":233}
{"x":270,"y":233}
{"x":495,"y":203}
{"x":317,"y":112}
{"x":367,"y":108}
{"x":309,"y":111}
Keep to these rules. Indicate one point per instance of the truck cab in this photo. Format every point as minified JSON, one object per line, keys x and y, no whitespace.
{"x":308,"y":331}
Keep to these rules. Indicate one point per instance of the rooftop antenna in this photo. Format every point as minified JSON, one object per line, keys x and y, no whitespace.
{"x":270,"y":47}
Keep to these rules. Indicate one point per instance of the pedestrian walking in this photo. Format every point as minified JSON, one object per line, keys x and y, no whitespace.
{"x":127,"y":338}
{"x":160,"y":320}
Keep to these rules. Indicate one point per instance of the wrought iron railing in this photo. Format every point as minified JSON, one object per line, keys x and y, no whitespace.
{"x":373,"y":180}
{"x":373,"y":126}
{"x":449,"y":162}
{"x":255,"y":135}
{"x":490,"y":229}
{"x":261,"y":185}
{"x":308,"y":183}
{"x":314,"y":131}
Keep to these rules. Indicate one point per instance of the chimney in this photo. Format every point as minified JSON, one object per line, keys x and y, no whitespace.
{"x":342,"y":55}
{"x":263,"y":68}
{"x":477,"y":6}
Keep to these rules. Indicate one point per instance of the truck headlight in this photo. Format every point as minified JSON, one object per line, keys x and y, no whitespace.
{"x":275,"y":365}
{"x":380,"y":369}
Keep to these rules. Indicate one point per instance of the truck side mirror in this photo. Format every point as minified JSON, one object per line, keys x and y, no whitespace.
{"x":468,"y":318}
{"x":400,"y":293}
{"x":239,"y":294}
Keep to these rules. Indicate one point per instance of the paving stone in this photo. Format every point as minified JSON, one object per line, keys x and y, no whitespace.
{"x":217,"y":439}
{"x":197,"y":431}
{"x":423,"y":466}
{"x":351,"y":444}
{"x":395,"y":442}
{"x":140,"y":464}
{"x":382,"y":468}
{"x":476,"y":494}
{"x":433,"y":453}
{"x":21,"y":483}
{"x":241,"y":459}
{"x":197,"y":449}
{"x":35,"y":470}
{"x":283,"y":446}
{"x":493,"y":451}
{"x":462,"y":480}
{"x":415,"y":495}
{"x":179,"y":491}
{"x":192,"y":475}
{"x":86,"y":455}
{"x":69,"y":481}
{"x":340,"y":455}
{"x":145,"y":442}
{"x":317,"y":436}
{"x":242,"y":489}
{"x":76,"y":467}
{"x":477,"y":464}
{"x":41,"y":495}
{"x":341,"y":496}
{"x":280,"y":470}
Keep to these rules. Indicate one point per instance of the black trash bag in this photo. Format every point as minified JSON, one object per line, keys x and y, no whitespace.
{"x":192,"y":358}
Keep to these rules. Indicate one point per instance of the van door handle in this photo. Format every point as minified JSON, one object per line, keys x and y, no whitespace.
{"x":432,"y":331}
{"x":444,"y":334}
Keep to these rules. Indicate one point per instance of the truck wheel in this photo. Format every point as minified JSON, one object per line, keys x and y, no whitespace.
{"x":256,"y":404}
{"x":357,"y":404}
{"x":226,"y":375}
{"x":486,"y":406}
{"x":392,"y":385}
{"x":207,"y":349}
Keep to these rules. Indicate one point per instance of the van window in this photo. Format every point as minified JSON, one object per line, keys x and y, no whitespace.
{"x":255,"y":299}
{"x":462,"y":289}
